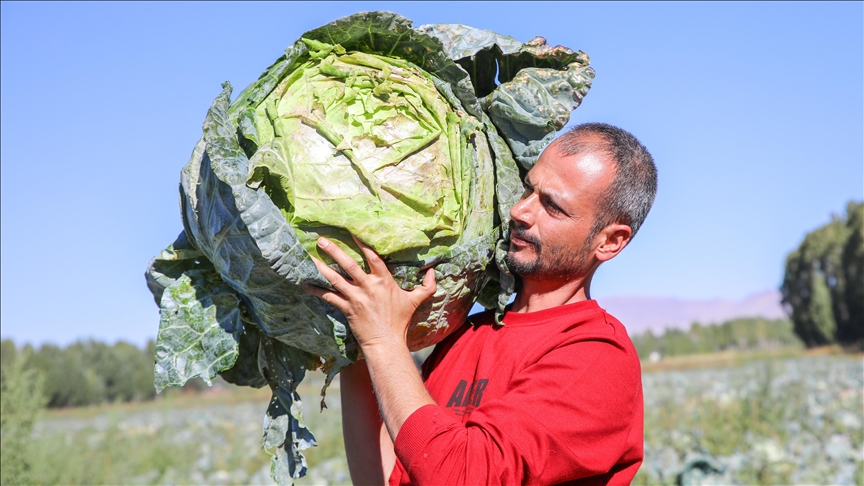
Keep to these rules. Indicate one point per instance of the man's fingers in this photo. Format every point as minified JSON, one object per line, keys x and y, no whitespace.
{"x":346,"y":262}
{"x":420,"y":294}
{"x":376,"y":264}
{"x":336,"y":280}
{"x":328,"y":296}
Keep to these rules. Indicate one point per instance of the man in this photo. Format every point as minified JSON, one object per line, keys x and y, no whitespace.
{"x":552,"y":396}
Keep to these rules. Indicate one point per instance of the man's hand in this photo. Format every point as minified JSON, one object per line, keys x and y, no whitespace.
{"x":377,"y":310}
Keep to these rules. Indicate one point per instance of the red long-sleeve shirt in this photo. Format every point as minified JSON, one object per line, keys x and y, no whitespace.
{"x":551,"y":397}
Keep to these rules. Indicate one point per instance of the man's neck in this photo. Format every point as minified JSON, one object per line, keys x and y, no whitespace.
{"x":540,"y":295}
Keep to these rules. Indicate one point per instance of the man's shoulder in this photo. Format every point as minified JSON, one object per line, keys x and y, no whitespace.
{"x":582,"y":318}
{"x":583,"y":329}
{"x":582,"y":315}
{"x":539,"y":332}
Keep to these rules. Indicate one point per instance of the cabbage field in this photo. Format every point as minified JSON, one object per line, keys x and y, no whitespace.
{"x":789,"y":421}
{"x":783,"y":420}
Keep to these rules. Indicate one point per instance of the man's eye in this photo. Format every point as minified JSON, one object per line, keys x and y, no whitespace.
{"x":552,"y":207}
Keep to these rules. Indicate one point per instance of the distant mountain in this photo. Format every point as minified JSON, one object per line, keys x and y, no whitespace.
{"x":638,"y":314}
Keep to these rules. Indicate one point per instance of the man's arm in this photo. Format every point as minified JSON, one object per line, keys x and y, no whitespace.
{"x":378,"y":312}
{"x":368,"y":447}
{"x":397,"y":383}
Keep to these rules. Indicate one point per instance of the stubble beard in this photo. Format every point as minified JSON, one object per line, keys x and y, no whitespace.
{"x":550,"y":262}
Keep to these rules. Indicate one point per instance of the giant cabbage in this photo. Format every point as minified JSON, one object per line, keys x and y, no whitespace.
{"x":412,"y":139}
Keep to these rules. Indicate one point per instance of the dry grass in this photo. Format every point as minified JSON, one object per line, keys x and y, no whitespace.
{"x":734,"y":358}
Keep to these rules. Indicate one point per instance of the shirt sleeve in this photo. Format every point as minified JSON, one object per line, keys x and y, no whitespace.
{"x":567,"y":416}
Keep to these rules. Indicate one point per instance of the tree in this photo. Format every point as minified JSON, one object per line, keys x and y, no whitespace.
{"x":822,"y":288}
{"x":850,"y":327}
{"x":68,"y":382}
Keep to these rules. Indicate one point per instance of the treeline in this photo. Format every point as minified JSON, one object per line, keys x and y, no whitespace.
{"x":86,"y":372}
{"x":738,"y":334}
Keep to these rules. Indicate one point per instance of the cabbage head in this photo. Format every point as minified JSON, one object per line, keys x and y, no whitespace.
{"x":412,"y":139}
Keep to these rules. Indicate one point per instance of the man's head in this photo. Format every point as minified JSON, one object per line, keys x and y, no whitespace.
{"x":584,"y":199}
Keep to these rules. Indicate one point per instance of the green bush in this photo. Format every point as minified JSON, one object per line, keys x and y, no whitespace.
{"x":21,"y":400}
{"x":740,"y":334}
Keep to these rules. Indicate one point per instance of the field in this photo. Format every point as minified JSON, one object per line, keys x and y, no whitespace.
{"x":793,"y":418}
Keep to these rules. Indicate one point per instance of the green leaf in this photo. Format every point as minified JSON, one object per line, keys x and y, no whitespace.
{"x":482,"y":53}
{"x":400,"y":169}
{"x":461,"y":41}
{"x":246,"y":371}
{"x":199,"y":317}
{"x":540,"y":84}
{"x":284,"y":429}
{"x":476,"y":51}
{"x":165,"y":268}
{"x":384,"y":33}
{"x":536,"y":103}
{"x":249,"y":241}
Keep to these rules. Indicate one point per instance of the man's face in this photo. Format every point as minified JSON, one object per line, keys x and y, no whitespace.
{"x":551,"y":223}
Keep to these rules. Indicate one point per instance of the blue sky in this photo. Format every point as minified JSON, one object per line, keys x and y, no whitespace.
{"x":753,"y":112}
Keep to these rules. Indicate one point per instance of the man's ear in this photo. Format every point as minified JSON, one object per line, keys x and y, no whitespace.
{"x":611,"y":240}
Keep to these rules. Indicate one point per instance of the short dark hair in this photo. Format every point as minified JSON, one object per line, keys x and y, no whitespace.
{"x":631,"y":193}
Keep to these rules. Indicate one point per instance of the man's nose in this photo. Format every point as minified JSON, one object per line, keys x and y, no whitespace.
{"x":521,"y":212}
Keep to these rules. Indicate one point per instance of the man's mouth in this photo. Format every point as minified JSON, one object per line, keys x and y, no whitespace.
{"x":517,"y":241}
{"x":520,"y":238}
